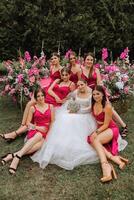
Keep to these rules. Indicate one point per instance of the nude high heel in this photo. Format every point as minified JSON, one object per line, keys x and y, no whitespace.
{"x":110,"y":173}
{"x":122,"y":162}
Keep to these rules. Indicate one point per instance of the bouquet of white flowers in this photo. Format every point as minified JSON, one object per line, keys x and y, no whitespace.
{"x":73,"y":106}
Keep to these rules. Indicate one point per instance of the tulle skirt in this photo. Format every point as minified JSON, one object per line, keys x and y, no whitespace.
{"x":66,"y":142}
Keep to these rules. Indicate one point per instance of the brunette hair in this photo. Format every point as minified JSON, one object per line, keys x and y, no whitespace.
{"x":101,"y":89}
{"x":66,"y":69}
{"x":83,"y":80}
{"x":55,"y":54}
{"x":37,"y":90}
{"x":72,"y":53}
{"x":92,"y":55}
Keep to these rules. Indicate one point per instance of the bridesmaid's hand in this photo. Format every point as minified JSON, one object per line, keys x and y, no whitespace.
{"x":58,"y":100}
{"x":93,"y":136}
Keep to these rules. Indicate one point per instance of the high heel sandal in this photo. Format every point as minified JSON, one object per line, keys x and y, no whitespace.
{"x":122,"y":162}
{"x":124,"y":131}
{"x":112,"y":173}
{"x":9,"y":140}
{"x":3,"y":162}
{"x":12,"y":170}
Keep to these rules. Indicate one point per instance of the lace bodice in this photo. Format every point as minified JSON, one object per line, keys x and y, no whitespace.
{"x":85,"y":103}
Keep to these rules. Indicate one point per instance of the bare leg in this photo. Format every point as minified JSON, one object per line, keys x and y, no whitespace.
{"x":26,"y":111}
{"x":25,"y":149}
{"x":35,"y":148}
{"x":13,"y":134}
{"x":98,"y":142}
{"x":22,"y":128}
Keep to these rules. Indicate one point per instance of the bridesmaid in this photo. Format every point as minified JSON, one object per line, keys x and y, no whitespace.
{"x":89,"y":72}
{"x":60,"y":88}
{"x":104,"y":139}
{"x":55,"y":69}
{"x":39,"y":120}
{"x":75,"y":74}
{"x":93,"y":77}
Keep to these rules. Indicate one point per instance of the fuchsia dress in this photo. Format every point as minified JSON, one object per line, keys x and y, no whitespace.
{"x":74,"y":77}
{"x":40,"y":119}
{"x":55,"y":75}
{"x":46,"y":82}
{"x":91,"y":81}
{"x":112,"y":146}
{"x":60,"y":91}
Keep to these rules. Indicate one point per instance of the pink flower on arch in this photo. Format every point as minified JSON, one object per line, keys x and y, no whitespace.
{"x":20,"y":78}
{"x":124,"y":54}
{"x":27,"y":56}
{"x":104,"y":54}
{"x":12,"y":91}
{"x":111,"y":68}
{"x":7,"y":88}
{"x":68,"y":53}
{"x":33,"y":71}
{"x":97,"y":65}
{"x":126,"y":89}
{"x":32,"y":79}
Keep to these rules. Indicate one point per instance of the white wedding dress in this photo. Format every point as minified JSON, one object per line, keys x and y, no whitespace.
{"x":66,"y":143}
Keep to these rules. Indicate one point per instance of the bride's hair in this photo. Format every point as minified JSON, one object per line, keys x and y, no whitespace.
{"x":83,"y":80}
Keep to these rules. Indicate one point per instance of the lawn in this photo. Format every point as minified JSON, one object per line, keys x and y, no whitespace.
{"x":54,"y":183}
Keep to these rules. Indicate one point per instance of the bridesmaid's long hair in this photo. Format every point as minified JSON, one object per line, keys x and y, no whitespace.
{"x":100,"y":88}
{"x":91,"y":69}
{"x":71,"y":54}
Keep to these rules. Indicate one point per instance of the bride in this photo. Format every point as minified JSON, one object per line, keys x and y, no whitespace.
{"x":66,"y":144}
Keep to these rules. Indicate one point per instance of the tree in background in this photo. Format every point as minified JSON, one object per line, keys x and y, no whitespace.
{"x":76,"y":24}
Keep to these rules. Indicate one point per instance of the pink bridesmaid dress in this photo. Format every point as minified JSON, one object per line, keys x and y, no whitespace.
{"x":112,"y":146}
{"x":91,"y":81}
{"x":60,"y":91}
{"x":40,"y":119}
{"x":74,"y":77}
{"x":46,"y":82}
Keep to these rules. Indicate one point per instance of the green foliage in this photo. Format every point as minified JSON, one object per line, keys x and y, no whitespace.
{"x":76,"y":23}
{"x":3,"y":70}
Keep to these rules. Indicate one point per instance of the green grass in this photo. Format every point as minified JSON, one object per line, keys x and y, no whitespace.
{"x":54,"y":183}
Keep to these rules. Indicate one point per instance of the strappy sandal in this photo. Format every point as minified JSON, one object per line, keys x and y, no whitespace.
{"x":9,"y":140}
{"x":3,"y":162}
{"x":124,"y":131}
{"x":14,"y":169}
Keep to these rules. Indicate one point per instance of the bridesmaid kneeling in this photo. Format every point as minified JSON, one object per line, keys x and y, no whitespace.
{"x":39,"y":120}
